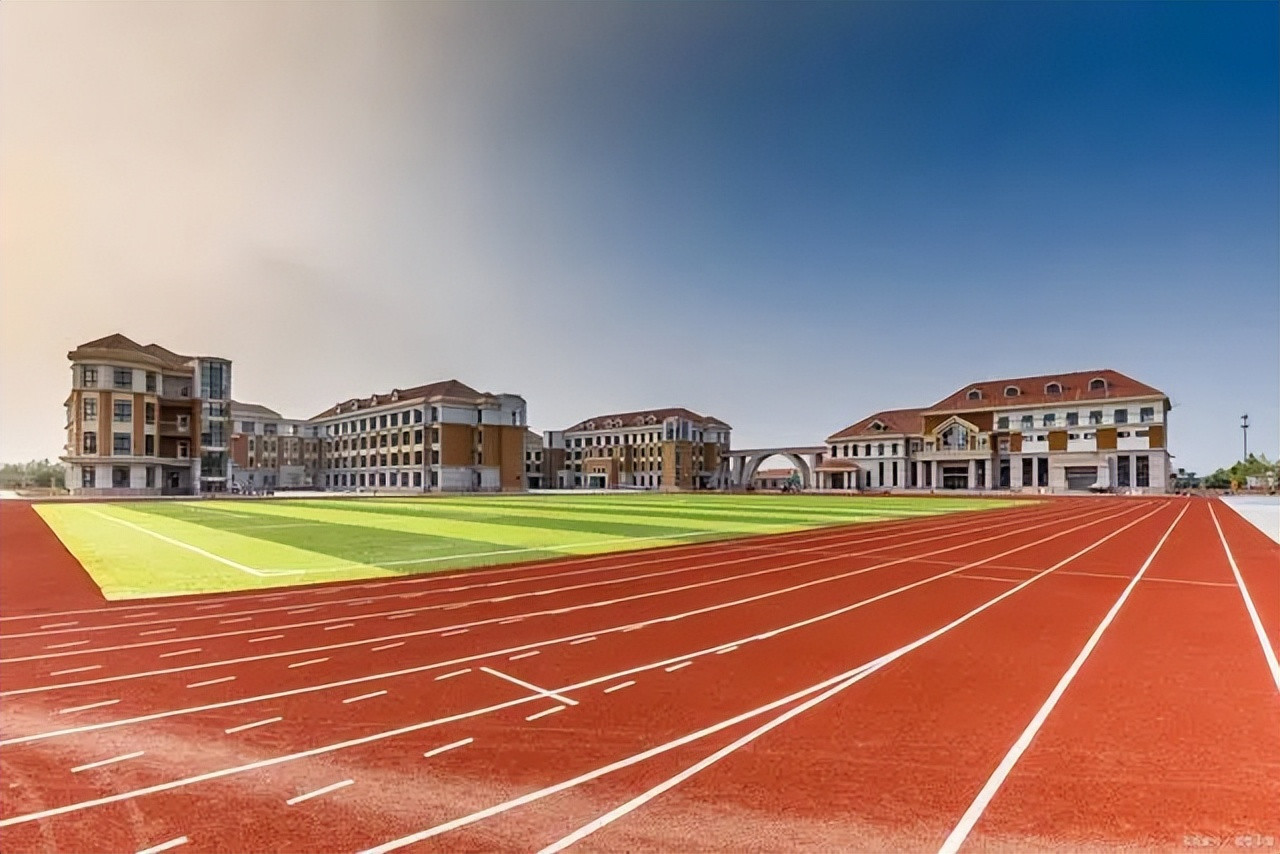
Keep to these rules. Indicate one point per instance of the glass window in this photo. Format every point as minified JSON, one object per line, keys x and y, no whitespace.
{"x":151,"y":384}
{"x":395,"y":419}
{"x":1027,"y":422}
{"x":1002,"y":423}
{"x":149,"y":410}
{"x":121,"y":444}
{"x":149,"y":445}
{"x":1122,"y":471}
{"x":89,"y":378}
{"x":91,"y":442}
{"x":1095,"y":416}
{"x":1073,"y":419}
{"x":123,"y":378}
{"x":88,"y":475}
{"x":1122,"y":416}
{"x":90,"y":408}
{"x":120,"y":477}
{"x":246,"y":426}
{"x":1147,"y":413}
{"x":1142,"y":473}
{"x":417,"y":419}
{"x":215,"y":380}
{"x":123,"y":410}
{"x":1049,"y":419}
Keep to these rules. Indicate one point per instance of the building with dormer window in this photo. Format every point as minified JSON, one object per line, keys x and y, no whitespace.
{"x":652,"y":449}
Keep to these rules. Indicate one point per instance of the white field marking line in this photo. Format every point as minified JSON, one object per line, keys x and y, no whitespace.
{"x":97,"y":705}
{"x":582,"y":640}
{"x":530,"y":654}
{"x":990,"y":578}
{"x":600,"y":603}
{"x":482,"y":656}
{"x":164,"y":846}
{"x":1268,"y":651}
{"x":619,"y":686}
{"x":452,"y":673}
{"x":69,"y":643}
{"x":436,"y":751}
{"x":387,"y":646}
{"x":452,"y":633}
{"x":338,"y":626}
{"x":368,"y":696}
{"x":101,"y":762}
{"x":317,"y":751}
{"x":209,"y":555}
{"x":61,"y":625}
{"x":832,"y":686}
{"x":243,"y":727}
{"x":318,"y":792}
{"x":178,"y":652}
{"x":233,"y":620}
{"x":971,"y":815}
{"x":84,"y":669}
{"x":308,"y":662}
{"x":260,"y":640}
{"x":211,"y":682}
{"x":540,"y":691}
{"x":850,"y":536}
{"x":157,"y":631}
{"x":677,"y":666}
{"x":544,"y":713}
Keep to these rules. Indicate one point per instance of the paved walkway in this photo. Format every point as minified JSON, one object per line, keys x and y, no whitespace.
{"x":1261,"y":511}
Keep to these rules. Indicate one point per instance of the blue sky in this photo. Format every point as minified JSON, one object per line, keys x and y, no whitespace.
{"x":784,"y":215}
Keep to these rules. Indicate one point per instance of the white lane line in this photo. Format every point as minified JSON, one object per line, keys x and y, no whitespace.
{"x":67,"y":644}
{"x":234,"y":620}
{"x":368,"y":696}
{"x":211,"y":682}
{"x":318,"y":792}
{"x":633,"y":628}
{"x":620,"y":686}
{"x":132,"y":617}
{"x":510,"y":620}
{"x":994,"y":578}
{"x":60,"y":625}
{"x":436,"y":751}
{"x":729,"y":648}
{"x":988,"y":791}
{"x":302,"y":611}
{"x":211,"y":607}
{"x":1268,"y":651}
{"x":101,"y":762}
{"x":543,"y":692}
{"x":544,"y":713}
{"x":243,"y":727}
{"x":164,"y":846}
{"x":402,"y":616}
{"x":338,"y":626}
{"x":77,"y":670}
{"x":157,"y":631}
{"x":582,"y":640}
{"x":452,"y":674}
{"x":265,"y":638}
{"x":178,"y":652}
{"x":98,"y":705}
{"x":677,"y":666}
{"x":528,"y":654}
{"x":308,"y":662}
{"x":387,"y":646}
{"x":454,"y":632}
{"x":210,"y":555}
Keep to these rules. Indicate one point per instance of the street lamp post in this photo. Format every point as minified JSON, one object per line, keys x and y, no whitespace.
{"x":1244,"y":428}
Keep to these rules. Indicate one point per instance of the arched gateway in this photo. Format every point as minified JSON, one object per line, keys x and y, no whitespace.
{"x":737,"y":468}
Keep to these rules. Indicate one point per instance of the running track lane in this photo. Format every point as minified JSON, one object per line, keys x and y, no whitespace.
{"x":1258,"y":558}
{"x":791,"y":654}
{"x":887,"y":764}
{"x":1169,"y":737}
{"x":36,"y":570}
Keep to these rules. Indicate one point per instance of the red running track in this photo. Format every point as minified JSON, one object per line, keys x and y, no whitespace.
{"x":1075,"y":674}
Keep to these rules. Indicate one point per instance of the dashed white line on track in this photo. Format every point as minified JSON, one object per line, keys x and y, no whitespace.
{"x":387,"y":646}
{"x":729,"y":648}
{"x":84,"y":669}
{"x":582,"y":640}
{"x":164,"y":846}
{"x":302,"y":611}
{"x":234,"y":620}
{"x":528,"y":654}
{"x":368,"y":696}
{"x":436,"y":751}
{"x":322,"y":791}
{"x":102,"y":762}
{"x":544,"y":713}
{"x":402,"y":616}
{"x":97,"y":705}
{"x":510,"y":620}
{"x":157,"y":631}
{"x":677,"y":666}
{"x":308,"y":661}
{"x":265,"y":638}
{"x":620,"y":686}
{"x":60,"y":625}
{"x":177,"y":652}
{"x":211,"y":682}
{"x":243,"y":727}
{"x":455,"y":632}
{"x":67,"y":644}
{"x":452,"y":674}
{"x":338,"y":626}
{"x":210,"y":607}
{"x":140,"y":616}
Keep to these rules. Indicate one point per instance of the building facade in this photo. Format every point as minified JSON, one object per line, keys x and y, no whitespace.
{"x":672,"y":448}
{"x":144,"y":420}
{"x":440,"y":437}
{"x":269,"y":451}
{"x":773,"y":479}
{"x":1075,"y":432}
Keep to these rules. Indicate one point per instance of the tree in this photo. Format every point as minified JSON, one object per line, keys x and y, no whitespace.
{"x":35,"y":473}
{"x":1256,"y":465}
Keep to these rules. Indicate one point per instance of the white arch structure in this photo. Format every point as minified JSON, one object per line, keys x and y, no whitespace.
{"x":738,"y":467}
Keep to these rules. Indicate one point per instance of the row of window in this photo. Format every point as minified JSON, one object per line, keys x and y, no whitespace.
{"x":1055,"y":387}
{"x":382,"y":478}
{"x":119,"y":477}
{"x":376,"y":422}
{"x":386,"y":439}
{"x":121,"y":444}
{"x":393,"y":459}
{"x":836,"y":450}
{"x":122,"y":378}
{"x":1049,"y":419}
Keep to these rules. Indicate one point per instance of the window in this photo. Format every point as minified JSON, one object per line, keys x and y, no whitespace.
{"x":91,"y":442}
{"x":88,"y":475}
{"x":1097,"y":384}
{"x":395,"y":419}
{"x":880,"y":450}
{"x":1012,"y":391}
{"x":382,"y":459}
{"x":417,"y":419}
{"x":1122,"y":471}
{"x":149,"y":410}
{"x":1147,"y":413}
{"x":1048,"y":420}
{"x":404,"y":438}
{"x":151,"y":385}
{"x":123,"y":378}
{"x":417,"y":460}
{"x":271,"y":429}
{"x":417,"y":437}
{"x":1142,"y":473}
{"x":1053,"y":388}
{"x":121,"y":444}
{"x":1073,"y":419}
{"x":119,"y":477}
{"x":89,"y":379}
{"x":246,"y":426}
{"x":382,"y":440}
{"x":1095,"y":416}
{"x":1122,"y":416}
{"x":149,"y":445}
{"x":395,"y":440}
{"x":417,"y":475}
{"x":123,"y":410}
{"x":895,"y":453}
{"x":90,"y":409}
{"x":866,"y":450}
{"x":855,"y":450}
{"x":364,"y":424}
{"x":975,"y":394}
{"x":382,"y":421}
{"x":395,"y":459}
{"x":1002,"y":423}
{"x":1027,"y":422}
{"x":151,"y":476}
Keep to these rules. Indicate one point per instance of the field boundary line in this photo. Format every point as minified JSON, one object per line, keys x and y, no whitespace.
{"x":1268,"y":651}
{"x":196,"y":549}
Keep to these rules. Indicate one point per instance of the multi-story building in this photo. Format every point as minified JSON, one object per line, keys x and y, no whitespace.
{"x":773,"y":478}
{"x":1090,"y":430}
{"x":653,"y":449}
{"x":444,"y":436}
{"x":144,"y":420}
{"x":269,"y":451}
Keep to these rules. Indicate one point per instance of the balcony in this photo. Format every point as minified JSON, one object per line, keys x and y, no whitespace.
{"x":175,"y":428}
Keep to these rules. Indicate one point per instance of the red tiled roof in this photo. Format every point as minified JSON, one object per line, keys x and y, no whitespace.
{"x":629,"y":419}
{"x":450,"y":389}
{"x":774,"y":473}
{"x":841,"y":464}
{"x":1032,"y":391}
{"x":904,"y":421}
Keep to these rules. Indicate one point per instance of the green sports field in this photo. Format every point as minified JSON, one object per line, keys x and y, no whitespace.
{"x":156,"y":548}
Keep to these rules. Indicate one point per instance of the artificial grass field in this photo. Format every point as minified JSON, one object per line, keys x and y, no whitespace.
{"x":156,"y":548}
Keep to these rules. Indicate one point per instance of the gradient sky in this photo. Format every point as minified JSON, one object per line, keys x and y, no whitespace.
{"x":786,"y":216}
